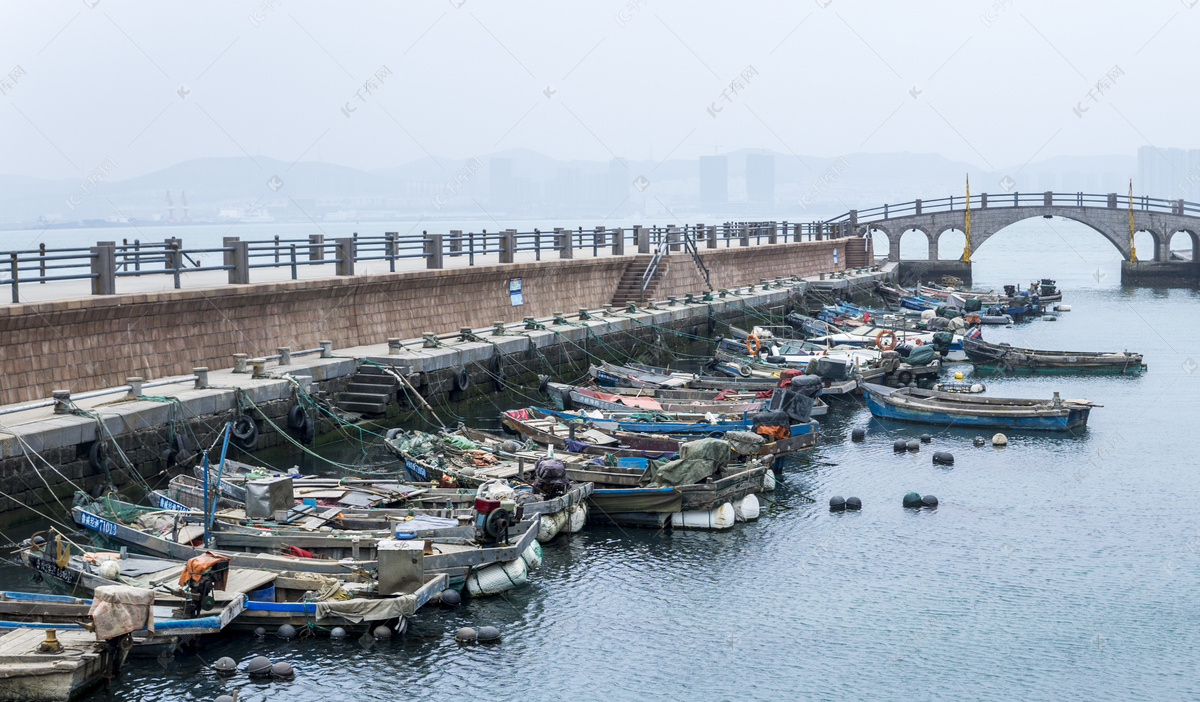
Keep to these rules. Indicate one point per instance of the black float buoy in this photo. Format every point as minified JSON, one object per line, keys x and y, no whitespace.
{"x":451,"y":598}
{"x":259,"y":665}
{"x":858,"y":434}
{"x":260,"y":632}
{"x":465,"y":635}
{"x":929,"y":501}
{"x":899,"y":445}
{"x":914,"y":445}
{"x":926,"y":438}
{"x":282,"y":669}
{"x":837,"y":503}
{"x":943,"y":458}
{"x":853,"y":503}
{"x":337,"y":634}
{"x":488,"y":633}
{"x":912,"y":499}
{"x":286,"y":632}
{"x":382,"y":632}
{"x":225,"y":664}
{"x":980,"y":441}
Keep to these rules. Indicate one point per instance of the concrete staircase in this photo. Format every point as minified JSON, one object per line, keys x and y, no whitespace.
{"x":629,"y":288}
{"x":368,"y":392}
{"x":856,"y":253}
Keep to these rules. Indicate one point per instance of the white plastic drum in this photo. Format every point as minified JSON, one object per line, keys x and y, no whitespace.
{"x":746,"y":509}
{"x":722,"y":517}
{"x":769,"y":480}
{"x":550,"y":524}
{"x":579,"y":515}
{"x":532,"y":555}
{"x":497,"y":578}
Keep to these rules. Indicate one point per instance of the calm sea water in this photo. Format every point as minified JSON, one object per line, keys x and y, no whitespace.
{"x":1059,"y":567}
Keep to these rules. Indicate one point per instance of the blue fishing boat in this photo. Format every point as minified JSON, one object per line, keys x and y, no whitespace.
{"x":628,"y":423}
{"x":958,"y":410}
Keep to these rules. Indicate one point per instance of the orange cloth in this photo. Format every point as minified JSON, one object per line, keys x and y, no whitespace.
{"x":199,"y":565}
{"x":776,"y":433}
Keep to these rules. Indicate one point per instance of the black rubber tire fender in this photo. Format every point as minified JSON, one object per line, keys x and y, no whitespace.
{"x":244,"y":431}
{"x":98,"y":454}
{"x":296,"y":416}
{"x":462,"y":379}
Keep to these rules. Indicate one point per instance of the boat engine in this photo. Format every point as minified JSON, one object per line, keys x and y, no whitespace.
{"x":492,"y":519}
{"x":550,"y":477}
{"x":202,"y":576}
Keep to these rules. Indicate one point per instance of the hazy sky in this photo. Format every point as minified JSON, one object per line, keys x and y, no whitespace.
{"x":374,"y":85}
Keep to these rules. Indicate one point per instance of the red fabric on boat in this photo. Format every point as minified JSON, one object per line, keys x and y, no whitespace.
{"x":298,"y":552}
{"x":519,"y":414}
{"x":723,"y":394}
{"x":763,"y":393}
{"x":786,"y":376}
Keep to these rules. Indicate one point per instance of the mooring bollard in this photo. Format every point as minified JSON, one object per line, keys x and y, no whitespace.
{"x":497,"y":328}
{"x":431,"y":340}
{"x":394,"y":346}
{"x":326,"y":348}
{"x":135,"y":385}
{"x":201,"y":374}
{"x":285,"y":355}
{"x":259,"y":366}
{"x":239,"y":363}
{"x":62,"y":401}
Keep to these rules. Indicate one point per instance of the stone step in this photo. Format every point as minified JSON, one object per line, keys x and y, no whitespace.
{"x":354,"y":388}
{"x":363,"y":407}
{"x":383,"y":381}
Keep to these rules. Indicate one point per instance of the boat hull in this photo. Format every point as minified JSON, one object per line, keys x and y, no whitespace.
{"x":1074,"y":418}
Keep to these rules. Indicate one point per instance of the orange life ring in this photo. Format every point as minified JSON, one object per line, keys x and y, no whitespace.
{"x":757,"y":345}
{"x":889,"y":344}
{"x":918,"y":342}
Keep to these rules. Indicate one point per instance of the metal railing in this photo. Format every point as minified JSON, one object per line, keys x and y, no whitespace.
{"x":107,"y":262}
{"x":982,"y":201}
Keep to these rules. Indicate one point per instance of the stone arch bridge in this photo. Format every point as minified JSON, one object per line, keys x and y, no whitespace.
{"x":1106,"y":214}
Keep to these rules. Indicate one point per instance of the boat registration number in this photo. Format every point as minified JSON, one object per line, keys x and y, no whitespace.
{"x":415,"y":468}
{"x":168,"y":503}
{"x":49,"y":567}
{"x":95,"y":523}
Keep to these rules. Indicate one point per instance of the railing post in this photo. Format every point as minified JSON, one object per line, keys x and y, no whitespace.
{"x":618,"y":241}
{"x":853,"y":221}
{"x":712,"y":236}
{"x":276,"y":248}
{"x":16,"y":276}
{"x":137,"y":255}
{"x":1112,"y":201}
{"x":674,"y":237}
{"x":345,"y":256}
{"x":42,"y":262}
{"x":1048,"y":198}
{"x":171,"y":252}
{"x":564,"y":238}
{"x":456,"y":246}
{"x":917,"y":205}
{"x":508,"y":246}
{"x":772,"y":234}
{"x":238,"y":256}
{"x":433,"y":250}
{"x":1177,"y":207}
{"x":982,"y":201}
{"x":316,"y":251}
{"x":745,"y":235}
{"x":600,"y":238}
{"x":537,"y":244}
{"x":392,"y":246}
{"x":104,"y":269}
{"x":292,"y":255}
{"x":642,"y":235}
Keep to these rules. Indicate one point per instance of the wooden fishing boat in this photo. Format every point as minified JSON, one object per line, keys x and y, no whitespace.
{"x":580,"y":397}
{"x":81,"y":664}
{"x":356,"y":557}
{"x":959,"y":410}
{"x":1002,"y":358}
{"x":251,"y":597}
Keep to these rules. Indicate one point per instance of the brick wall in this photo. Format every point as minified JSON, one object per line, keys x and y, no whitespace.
{"x":743,"y":265}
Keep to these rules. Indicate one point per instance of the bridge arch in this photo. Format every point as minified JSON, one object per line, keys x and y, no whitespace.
{"x":950,"y":243}
{"x":1190,"y":234}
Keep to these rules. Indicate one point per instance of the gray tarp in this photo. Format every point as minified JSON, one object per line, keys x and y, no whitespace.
{"x":697,"y":460}
{"x":358,"y":610}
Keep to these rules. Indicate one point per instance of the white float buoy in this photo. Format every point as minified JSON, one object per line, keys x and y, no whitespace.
{"x":999,"y":440}
{"x":578,"y":518}
{"x":769,"y":481}
{"x":746,"y":509}
{"x":722,"y":517}
{"x":1062,"y":308}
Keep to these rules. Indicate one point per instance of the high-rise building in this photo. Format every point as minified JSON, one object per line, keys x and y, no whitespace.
{"x":760,"y":178}
{"x":500,"y":187}
{"x":714,"y":180}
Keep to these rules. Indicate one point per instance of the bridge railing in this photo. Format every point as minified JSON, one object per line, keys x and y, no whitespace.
{"x":108,"y":262}
{"x":1018,"y":199}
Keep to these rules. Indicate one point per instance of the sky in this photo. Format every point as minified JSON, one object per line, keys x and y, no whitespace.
{"x":133,"y":87}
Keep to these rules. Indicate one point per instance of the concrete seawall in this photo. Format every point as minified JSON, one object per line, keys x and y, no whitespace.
{"x":98,"y":341}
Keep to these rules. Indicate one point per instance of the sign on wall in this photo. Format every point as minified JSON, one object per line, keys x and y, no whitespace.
{"x":514,"y":292}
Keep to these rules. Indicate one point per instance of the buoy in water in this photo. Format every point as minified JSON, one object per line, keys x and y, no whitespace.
{"x":837,"y":503}
{"x":929,"y":501}
{"x":980,"y":441}
{"x":226,"y":698}
{"x":899,"y":445}
{"x":853,"y":503}
{"x":282,"y":669}
{"x":1063,"y":308}
{"x":999,"y":440}
{"x":451,"y":598}
{"x":912,"y":499}
{"x":382,"y":632}
{"x":225,"y":664}
{"x":746,"y":509}
{"x":943,"y":458}
{"x":858,"y":434}
{"x":913,"y":445}
{"x":1049,"y":318}
{"x":488,"y":633}
{"x":958,"y":375}
{"x":465,"y":635}
{"x":286,"y":631}
{"x":926,"y":438}
{"x":337,"y":634}
{"x":259,"y":665}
